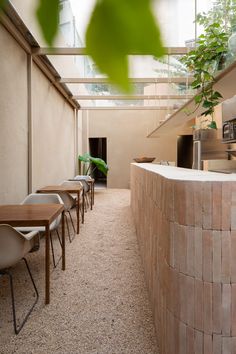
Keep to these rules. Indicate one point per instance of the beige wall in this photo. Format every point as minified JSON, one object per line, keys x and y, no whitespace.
{"x":13,"y":120}
{"x":53,"y":133}
{"x":126,"y":132}
{"x":53,"y":120}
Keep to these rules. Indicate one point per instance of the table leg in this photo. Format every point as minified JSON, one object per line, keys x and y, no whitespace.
{"x":83,"y":201}
{"x":47,"y":265}
{"x":91,"y":196}
{"x":63,"y":241}
{"x":78,"y":206}
{"x":93,"y":190}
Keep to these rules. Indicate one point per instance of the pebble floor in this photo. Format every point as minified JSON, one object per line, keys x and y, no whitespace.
{"x":99,"y":305}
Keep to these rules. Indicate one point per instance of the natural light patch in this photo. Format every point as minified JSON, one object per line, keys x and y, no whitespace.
{"x":120,"y":28}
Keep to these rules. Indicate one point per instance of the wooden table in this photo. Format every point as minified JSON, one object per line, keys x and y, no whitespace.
{"x":91,"y":182}
{"x":36,"y":215}
{"x":70,"y":188}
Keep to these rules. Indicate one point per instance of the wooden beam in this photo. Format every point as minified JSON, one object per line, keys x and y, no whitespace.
{"x":138,"y":108}
{"x":158,"y":80}
{"x":82,"y":51}
{"x":130,"y":97}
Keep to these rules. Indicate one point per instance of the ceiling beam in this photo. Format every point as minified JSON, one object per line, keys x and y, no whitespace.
{"x":132,"y":97}
{"x":82,"y":51}
{"x":138,"y":108}
{"x":158,"y":80}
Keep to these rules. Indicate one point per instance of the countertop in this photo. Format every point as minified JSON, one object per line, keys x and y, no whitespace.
{"x":178,"y":173}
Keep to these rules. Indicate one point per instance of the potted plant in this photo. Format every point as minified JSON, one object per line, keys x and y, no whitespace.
{"x":203,"y":62}
{"x":91,"y":163}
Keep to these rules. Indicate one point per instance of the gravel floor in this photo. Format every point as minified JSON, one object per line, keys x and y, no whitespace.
{"x":99,"y":305}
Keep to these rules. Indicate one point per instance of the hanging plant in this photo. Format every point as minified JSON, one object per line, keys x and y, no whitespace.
{"x":203,"y":62}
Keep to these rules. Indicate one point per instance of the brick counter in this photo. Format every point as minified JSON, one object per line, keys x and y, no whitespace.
{"x":186,"y":227}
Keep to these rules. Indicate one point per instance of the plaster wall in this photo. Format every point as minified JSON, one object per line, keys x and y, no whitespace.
{"x":54,"y":143}
{"x":13,"y":120}
{"x":53,"y":133}
{"x":126,"y":132}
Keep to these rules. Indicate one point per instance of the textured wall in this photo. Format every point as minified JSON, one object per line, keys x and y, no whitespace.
{"x":13,"y":120}
{"x":53,"y":133}
{"x":187,"y":237}
{"x":126,"y":132}
{"x":53,"y":125}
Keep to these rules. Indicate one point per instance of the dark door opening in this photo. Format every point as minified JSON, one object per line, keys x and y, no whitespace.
{"x":98,"y":148}
{"x":185,"y":151}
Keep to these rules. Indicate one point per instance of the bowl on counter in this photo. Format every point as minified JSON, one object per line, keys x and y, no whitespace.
{"x":144,"y":159}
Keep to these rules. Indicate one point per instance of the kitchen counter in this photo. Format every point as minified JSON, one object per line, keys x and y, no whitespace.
{"x":178,"y":173}
{"x":186,"y":228}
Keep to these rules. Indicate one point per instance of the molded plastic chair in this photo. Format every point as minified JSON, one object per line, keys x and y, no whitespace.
{"x":83,"y":180}
{"x":13,"y":247}
{"x":74,"y":196}
{"x":69,"y":203}
{"x":44,"y":198}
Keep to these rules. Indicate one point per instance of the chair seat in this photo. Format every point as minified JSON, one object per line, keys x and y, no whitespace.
{"x":53,"y":226}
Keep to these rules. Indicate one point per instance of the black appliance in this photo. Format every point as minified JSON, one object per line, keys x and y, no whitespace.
{"x":229,"y":131}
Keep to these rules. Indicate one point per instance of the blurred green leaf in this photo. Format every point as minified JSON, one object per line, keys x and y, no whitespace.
{"x":2,"y":4}
{"x":118,"y":28}
{"x":48,"y":18}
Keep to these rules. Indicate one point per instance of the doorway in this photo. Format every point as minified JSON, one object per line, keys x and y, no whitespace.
{"x":185,"y":151}
{"x":98,"y":148}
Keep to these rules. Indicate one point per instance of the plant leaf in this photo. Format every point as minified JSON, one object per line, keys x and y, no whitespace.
{"x":100,"y":164}
{"x":198,"y":98}
{"x":212,"y":125}
{"x":2,"y":4}
{"x":118,"y":28}
{"x":85,"y":157}
{"x":48,"y":17}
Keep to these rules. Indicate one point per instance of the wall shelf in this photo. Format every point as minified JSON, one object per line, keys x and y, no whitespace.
{"x":224,"y":83}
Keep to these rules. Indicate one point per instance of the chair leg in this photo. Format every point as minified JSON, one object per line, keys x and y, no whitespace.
{"x":87,"y":199}
{"x":18,"y":329}
{"x":72,"y":222}
{"x":52,"y":248}
{"x":68,"y":230}
{"x":58,"y":236}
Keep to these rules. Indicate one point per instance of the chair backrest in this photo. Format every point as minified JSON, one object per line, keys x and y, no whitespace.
{"x":85,"y":187}
{"x":68,"y":200}
{"x":42,"y":198}
{"x":13,"y":246}
{"x":83,"y":177}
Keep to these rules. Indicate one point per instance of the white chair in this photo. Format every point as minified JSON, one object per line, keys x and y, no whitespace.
{"x":69,"y":203}
{"x":83,"y":180}
{"x":74,"y":196}
{"x":13,"y":247}
{"x":44,"y":198}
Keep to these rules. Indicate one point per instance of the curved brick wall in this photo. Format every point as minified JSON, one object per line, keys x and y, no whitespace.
{"x":186,"y":228}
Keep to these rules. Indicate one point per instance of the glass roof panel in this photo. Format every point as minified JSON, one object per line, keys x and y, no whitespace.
{"x":82,"y":66}
{"x":176,"y":19}
{"x":157,"y":89}
{"x":166,"y":105}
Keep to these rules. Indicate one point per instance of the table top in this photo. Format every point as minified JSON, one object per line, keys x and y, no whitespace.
{"x":29,"y":214}
{"x":70,"y":188}
{"x":90,"y":180}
